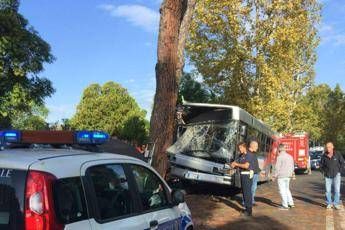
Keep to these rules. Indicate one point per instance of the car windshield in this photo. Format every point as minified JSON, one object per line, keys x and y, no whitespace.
{"x":212,"y":141}
{"x":316,"y":155}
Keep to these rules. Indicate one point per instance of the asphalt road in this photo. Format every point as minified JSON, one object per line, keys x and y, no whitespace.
{"x":216,"y":207}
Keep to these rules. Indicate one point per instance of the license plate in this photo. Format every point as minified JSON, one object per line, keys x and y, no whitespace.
{"x":192,"y":176}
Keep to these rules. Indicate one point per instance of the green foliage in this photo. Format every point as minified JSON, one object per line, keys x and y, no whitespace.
{"x":9,"y":4}
{"x":32,"y":120}
{"x":314,"y":104}
{"x":259,"y":55}
{"x":112,"y":109}
{"x":194,"y":91}
{"x":22,"y":56}
{"x":334,"y":115}
{"x":327,"y":107}
{"x":136,"y":130}
{"x":66,"y":124}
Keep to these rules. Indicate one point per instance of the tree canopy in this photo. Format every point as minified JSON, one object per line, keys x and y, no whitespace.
{"x":194,"y":91}
{"x":35,"y":119}
{"x":22,"y":56}
{"x":112,"y":109}
{"x":333,"y":116}
{"x":259,"y":55}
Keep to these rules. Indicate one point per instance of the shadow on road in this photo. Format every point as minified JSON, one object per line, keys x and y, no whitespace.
{"x":310,"y":201}
{"x":318,"y":187}
{"x":263,"y":200}
{"x":229,"y":203}
{"x":266,"y":201}
{"x":207,"y":189}
{"x":256,"y":222}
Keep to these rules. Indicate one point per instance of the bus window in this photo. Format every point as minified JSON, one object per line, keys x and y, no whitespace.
{"x":262,"y":144}
{"x":253,"y":134}
{"x":268,"y":144}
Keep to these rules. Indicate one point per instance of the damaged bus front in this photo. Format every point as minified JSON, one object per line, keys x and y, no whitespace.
{"x":207,"y":136}
{"x":205,"y":145}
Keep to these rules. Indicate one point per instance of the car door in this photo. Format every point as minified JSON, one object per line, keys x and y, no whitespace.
{"x":70,"y":203}
{"x":155,"y":199}
{"x":112,"y":198}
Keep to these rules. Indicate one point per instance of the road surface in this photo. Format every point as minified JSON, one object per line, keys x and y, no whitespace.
{"x":219,"y":208}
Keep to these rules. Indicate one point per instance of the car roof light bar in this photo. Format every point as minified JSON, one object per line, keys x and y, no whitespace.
{"x":10,"y":136}
{"x":53,"y":137}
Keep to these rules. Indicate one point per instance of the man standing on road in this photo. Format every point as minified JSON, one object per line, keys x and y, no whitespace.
{"x":283,"y":172}
{"x":253,"y":148}
{"x":245,"y":163}
{"x":331,"y":166}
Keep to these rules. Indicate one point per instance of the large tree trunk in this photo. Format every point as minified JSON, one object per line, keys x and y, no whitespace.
{"x":173,"y":28}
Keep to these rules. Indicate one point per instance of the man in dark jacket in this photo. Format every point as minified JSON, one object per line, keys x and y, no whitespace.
{"x":253,"y":148}
{"x":331,"y":166}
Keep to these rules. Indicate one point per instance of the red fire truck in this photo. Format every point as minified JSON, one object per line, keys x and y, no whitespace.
{"x":297,"y":145}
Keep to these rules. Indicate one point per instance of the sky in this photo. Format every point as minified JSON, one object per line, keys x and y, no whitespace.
{"x":97,"y":41}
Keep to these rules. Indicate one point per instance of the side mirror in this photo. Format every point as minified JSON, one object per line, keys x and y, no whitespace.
{"x":243,"y":130}
{"x":177,"y":197}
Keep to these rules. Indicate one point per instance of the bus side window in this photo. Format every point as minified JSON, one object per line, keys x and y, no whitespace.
{"x":262,"y":144}
{"x":241,"y":136}
{"x":268,"y":144}
{"x":253,"y":134}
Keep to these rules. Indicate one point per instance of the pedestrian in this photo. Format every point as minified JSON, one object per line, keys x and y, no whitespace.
{"x":284,"y":171}
{"x":253,"y":148}
{"x":245,"y":164}
{"x":331,"y":166}
{"x":140,"y":148}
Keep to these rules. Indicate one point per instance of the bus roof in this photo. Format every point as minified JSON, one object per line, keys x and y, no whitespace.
{"x":239,"y":114}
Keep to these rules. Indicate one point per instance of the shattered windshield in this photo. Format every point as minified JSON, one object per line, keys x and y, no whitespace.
{"x":211,"y":141}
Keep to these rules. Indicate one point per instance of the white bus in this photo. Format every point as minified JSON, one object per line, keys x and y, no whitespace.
{"x":206,"y":141}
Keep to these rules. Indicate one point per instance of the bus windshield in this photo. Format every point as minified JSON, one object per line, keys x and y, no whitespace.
{"x":211,"y":141}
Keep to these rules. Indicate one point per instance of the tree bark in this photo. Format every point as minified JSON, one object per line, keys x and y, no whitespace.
{"x":188,"y":7}
{"x":173,"y":28}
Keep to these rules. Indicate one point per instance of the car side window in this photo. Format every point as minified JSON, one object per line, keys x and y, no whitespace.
{"x":70,"y":205}
{"x":152,"y":191}
{"x":112,"y":191}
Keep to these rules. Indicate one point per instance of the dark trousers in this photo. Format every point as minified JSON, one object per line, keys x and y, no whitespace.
{"x":246,"y":184}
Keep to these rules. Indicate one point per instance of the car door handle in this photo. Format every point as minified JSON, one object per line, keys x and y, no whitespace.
{"x":154,"y":224}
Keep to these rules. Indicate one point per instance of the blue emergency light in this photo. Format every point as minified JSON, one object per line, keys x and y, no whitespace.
{"x":10,"y":136}
{"x":83,"y":137}
{"x":53,"y":137}
{"x":91,"y":137}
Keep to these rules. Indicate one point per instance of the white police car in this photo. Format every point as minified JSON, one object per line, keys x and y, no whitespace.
{"x":64,"y":188}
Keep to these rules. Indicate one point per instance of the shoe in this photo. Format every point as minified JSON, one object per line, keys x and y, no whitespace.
{"x":329,"y":206}
{"x":283,"y":208}
{"x":246,"y":214}
{"x":292,"y":206}
{"x":338,"y":207}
